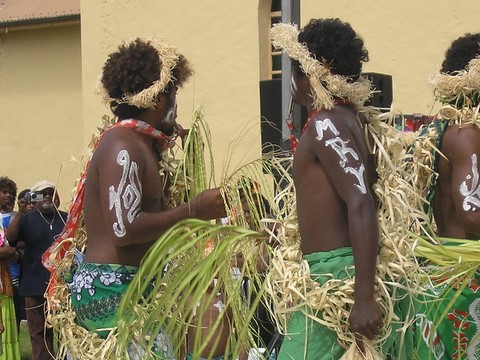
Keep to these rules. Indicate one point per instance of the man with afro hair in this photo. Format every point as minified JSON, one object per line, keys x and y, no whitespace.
{"x":122,"y":193}
{"x":448,"y":326}
{"x":333,"y":173}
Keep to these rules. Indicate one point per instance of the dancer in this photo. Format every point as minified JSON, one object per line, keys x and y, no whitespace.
{"x":448,"y":325}
{"x":123,"y":196}
{"x":336,"y":209}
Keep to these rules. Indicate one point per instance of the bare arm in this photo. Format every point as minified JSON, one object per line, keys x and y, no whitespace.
{"x":131,"y":194}
{"x":12,"y":233}
{"x":462,"y":147}
{"x":338,"y":150}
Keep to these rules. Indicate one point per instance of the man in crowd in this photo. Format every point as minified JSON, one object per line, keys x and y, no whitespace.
{"x":37,"y":229}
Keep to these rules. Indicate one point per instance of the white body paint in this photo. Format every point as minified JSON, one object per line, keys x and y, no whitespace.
{"x":344,"y":152}
{"x":471,"y":201}
{"x":128,"y":195}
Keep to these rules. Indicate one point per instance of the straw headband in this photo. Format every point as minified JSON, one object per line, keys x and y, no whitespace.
{"x":147,"y":97}
{"x":325,"y":85}
{"x":448,"y":87}
{"x":460,"y":94}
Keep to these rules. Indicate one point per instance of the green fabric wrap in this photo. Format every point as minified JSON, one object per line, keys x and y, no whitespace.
{"x":309,"y":340}
{"x":97,"y":290}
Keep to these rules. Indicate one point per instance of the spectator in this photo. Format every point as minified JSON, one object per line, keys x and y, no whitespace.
{"x":8,"y":255}
{"x":16,"y":266}
{"x":37,"y":229}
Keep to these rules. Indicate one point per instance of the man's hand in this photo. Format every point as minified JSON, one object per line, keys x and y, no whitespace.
{"x":365,"y":320}
{"x":208,"y":205}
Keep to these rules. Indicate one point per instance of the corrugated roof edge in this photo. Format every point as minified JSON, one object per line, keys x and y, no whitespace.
{"x":40,"y":21}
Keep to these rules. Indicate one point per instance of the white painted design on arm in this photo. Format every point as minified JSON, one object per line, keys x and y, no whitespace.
{"x":322,"y":125}
{"x":128,"y":194}
{"x":359,"y":175}
{"x":471,"y":201}
{"x":341,"y":147}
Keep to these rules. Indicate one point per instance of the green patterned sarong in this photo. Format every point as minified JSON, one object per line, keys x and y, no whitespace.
{"x":448,"y":325}
{"x":97,"y":290}
{"x":307,"y":339}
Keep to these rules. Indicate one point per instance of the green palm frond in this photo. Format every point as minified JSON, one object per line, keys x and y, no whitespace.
{"x":194,"y":264}
{"x":182,"y":272}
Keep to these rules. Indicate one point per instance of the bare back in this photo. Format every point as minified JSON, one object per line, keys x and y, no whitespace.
{"x":457,"y":193}
{"x":123,"y":181}
{"x":333,"y":175}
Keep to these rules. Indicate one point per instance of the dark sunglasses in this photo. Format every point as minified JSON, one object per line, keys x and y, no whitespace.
{"x":47,"y":192}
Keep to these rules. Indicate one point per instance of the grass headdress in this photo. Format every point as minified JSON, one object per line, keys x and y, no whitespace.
{"x":460,"y":94}
{"x":324,"y":84}
{"x":146,"y":98}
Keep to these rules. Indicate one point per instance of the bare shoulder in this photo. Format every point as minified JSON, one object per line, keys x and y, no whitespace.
{"x":336,"y":121}
{"x":117,"y":140}
{"x":458,"y":141}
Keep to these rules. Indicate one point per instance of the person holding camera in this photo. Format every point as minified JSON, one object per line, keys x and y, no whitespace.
{"x":38,"y":229}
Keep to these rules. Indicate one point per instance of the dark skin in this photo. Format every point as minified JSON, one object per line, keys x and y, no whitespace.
{"x":6,"y":199}
{"x":332,"y":211}
{"x":48,"y":205}
{"x":104,"y":245}
{"x":458,"y":146}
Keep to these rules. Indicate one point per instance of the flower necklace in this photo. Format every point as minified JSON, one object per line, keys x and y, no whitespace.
{"x":49,"y":223}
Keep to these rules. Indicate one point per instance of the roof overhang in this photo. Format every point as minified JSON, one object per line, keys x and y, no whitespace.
{"x":16,"y":15}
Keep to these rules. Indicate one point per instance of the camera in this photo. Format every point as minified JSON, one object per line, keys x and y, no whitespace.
{"x":32,"y":197}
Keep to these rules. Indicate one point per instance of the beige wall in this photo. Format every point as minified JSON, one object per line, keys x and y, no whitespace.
{"x":220,"y":39}
{"x":226,"y":43}
{"x":49,"y":111}
{"x":40,"y":106}
{"x":406,"y":39}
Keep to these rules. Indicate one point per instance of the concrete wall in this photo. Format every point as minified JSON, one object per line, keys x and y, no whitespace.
{"x":40,"y":106}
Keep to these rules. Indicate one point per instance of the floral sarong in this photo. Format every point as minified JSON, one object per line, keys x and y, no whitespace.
{"x":448,"y":325}
{"x":97,"y":290}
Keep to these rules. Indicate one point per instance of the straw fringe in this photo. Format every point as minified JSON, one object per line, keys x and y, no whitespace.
{"x":449,"y":87}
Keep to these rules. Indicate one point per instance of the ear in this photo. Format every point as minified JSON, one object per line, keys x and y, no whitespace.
{"x":161,"y":102}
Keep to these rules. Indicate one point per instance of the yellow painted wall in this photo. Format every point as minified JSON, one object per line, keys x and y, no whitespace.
{"x":226,"y":43}
{"x":406,"y":39}
{"x":219,"y":38}
{"x":49,"y":111}
{"x":40,"y":106}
